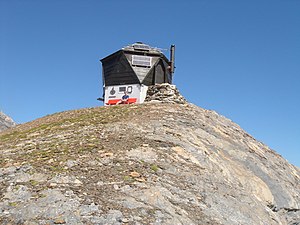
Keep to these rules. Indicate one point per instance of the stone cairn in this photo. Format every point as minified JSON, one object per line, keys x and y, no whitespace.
{"x":164,"y":93}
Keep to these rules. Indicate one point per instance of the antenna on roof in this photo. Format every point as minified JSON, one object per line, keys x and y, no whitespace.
{"x":172,"y":59}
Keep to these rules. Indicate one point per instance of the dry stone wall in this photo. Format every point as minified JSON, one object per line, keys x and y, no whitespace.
{"x":164,"y":93}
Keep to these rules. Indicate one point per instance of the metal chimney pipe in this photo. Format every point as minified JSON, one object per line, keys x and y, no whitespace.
{"x":172,"y":59}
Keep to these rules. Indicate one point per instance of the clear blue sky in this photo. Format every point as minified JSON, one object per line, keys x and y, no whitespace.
{"x":239,"y":58}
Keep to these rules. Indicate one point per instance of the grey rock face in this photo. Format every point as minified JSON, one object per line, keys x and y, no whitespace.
{"x":5,"y":122}
{"x":156,"y":164}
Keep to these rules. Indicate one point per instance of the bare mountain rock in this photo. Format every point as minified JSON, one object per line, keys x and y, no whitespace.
{"x":154,"y":163}
{"x":5,"y":122}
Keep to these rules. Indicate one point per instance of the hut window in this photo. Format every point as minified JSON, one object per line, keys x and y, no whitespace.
{"x":122,"y":89}
{"x":129,"y":89}
{"x":139,"y":60}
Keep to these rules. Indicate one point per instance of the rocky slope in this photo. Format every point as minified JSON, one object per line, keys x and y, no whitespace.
{"x":154,"y":163}
{"x":5,"y":122}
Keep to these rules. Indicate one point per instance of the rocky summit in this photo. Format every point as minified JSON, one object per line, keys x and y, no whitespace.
{"x":153,"y":163}
{"x":5,"y":122}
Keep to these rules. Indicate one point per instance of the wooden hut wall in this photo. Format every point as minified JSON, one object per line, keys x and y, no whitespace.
{"x":117,"y":71}
{"x":141,"y":71}
{"x":150,"y":78}
{"x":159,"y":73}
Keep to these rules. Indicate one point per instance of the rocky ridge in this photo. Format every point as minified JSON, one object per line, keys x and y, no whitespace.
{"x":154,"y":163}
{"x":5,"y":122}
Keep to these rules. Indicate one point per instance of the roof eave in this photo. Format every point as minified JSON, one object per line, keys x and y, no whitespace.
{"x":109,"y":56}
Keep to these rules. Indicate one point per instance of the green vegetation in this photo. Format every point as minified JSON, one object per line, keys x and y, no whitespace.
{"x":6,"y":137}
{"x":128,"y":179}
{"x":13,"y":204}
{"x":154,"y":167}
{"x":17,"y":187}
{"x":54,"y":139}
{"x":33,"y":182}
{"x":56,"y":169}
{"x":65,"y":120}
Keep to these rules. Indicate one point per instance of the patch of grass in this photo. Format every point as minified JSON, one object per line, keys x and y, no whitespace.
{"x":9,"y":136}
{"x":154,"y":168}
{"x":84,"y":149}
{"x":2,"y":161}
{"x":33,"y":182}
{"x":13,"y":204}
{"x":41,"y":127}
{"x":40,"y":155}
{"x":57,"y":169}
{"x":42,"y":195}
{"x":17,"y":187}
{"x":128,"y":179}
{"x":39,"y":195}
{"x":151,"y":212}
